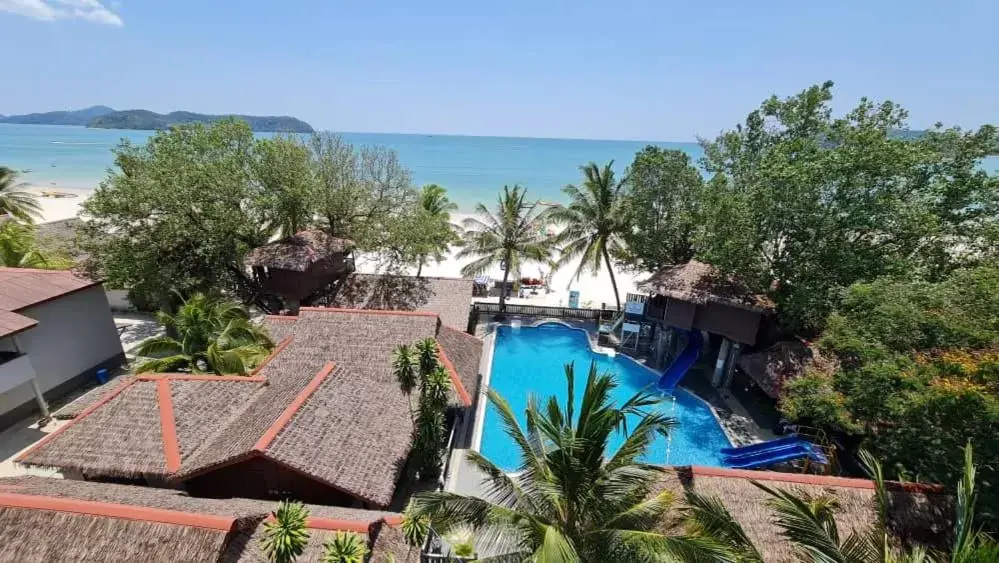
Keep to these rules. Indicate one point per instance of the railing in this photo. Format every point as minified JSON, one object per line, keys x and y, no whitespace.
{"x":479,"y":308}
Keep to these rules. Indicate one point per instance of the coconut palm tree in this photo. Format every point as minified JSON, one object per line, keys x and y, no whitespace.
{"x":514,"y":233}
{"x":571,"y":498}
{"x":14,"y":202}
{"x":18,"y":250}
{"x":345,"y":547}
{"x":285,"y":535}
{"x":593,"y":222}
{"x":808,"y":522}
{"x":206,"y":335}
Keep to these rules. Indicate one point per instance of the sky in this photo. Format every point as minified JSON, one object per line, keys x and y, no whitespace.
{"x":652,"y":70}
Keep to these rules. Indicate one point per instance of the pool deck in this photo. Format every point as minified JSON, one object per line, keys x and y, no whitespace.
{"x":466,"y":479}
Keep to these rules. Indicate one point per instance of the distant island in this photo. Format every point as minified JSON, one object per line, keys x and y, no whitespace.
{"x":104,"y":117}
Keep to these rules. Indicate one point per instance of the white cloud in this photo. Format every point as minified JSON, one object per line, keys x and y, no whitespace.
{"x":48,"y":10}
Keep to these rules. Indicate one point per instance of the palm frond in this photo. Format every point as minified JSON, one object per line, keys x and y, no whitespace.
{"x":709,"y":518}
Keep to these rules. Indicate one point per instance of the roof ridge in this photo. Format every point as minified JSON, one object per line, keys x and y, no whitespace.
{"x":277,"y":350}
{"x":120,"y":511}
{"x":462,"y":333}
{"x":289,"y":412}
{"x":168,"y":426}
{"x":197,"y":377}
{"x":371,"y":311}
{"x":810,"y":479}
{"x":453,"y":373}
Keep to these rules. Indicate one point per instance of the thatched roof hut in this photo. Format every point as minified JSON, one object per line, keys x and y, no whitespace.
{"x":324,"y":418}
{"x":45,"y":519}
{"x":697,"y":282}
{"x":450,"y":298}
{"x":918,"y":513}
{"x":298,"y":252}
{"x":782,"y":362}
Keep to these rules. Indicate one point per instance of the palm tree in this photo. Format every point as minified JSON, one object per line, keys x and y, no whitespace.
{"x":512,"y":234}
{"x":14,"y":202}
{"x":18,"y":250}
{"x":434,"y":206}
{"x":285,"y":535}
{"x":593,"y":222}
{"x":345,"y":547}
{"x":808,"y":522}
{"x":404,"y":367}
{"x":206,"y":335}
{"x":571,"y":499}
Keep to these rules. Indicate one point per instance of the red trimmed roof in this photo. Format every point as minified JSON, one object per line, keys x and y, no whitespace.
{"x":459,"y":388}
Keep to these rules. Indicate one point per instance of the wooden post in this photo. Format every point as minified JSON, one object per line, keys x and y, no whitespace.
{"x":718,"y":379}
{"x":733,"y":356}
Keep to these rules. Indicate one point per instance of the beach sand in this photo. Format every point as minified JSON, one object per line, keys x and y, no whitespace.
{"x":593,"y":290}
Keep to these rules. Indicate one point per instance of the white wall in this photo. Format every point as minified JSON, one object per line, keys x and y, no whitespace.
{"x":74,"y":333}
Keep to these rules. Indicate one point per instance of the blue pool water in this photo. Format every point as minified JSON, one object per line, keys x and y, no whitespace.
{"x":529,"y":361}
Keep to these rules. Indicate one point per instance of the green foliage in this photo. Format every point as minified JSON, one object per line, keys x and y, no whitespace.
{"x":430,"y":432}
{"x":148,"y":120}
{"x":405,"y":367}
{"x":345,"y":547}
{"x":424,"y":233}
{"x":593,"y":223}
{"x":285,"y":536}
{"x":918,"y":377}
{"x":206,"y":335}
{"x":282,"y":166}
{"x":19,"y":249}
{"x":661,"y":196}
{"x":414,"y":528}
{"x":14,"y":202}
{"x":571,"y":499}
{"x":809,"y":204}
{"x":511,"y":235}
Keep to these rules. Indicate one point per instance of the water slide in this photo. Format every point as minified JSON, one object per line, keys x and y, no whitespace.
{"x":615,"y":324}
{"x":789,"y":448}
{"x":675,"y":372}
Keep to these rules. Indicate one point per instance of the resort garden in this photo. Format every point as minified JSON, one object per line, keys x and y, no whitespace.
{"x":881,"y":249}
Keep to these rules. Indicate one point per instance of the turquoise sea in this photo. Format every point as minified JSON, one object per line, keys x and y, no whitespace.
{"x":473,"y":169}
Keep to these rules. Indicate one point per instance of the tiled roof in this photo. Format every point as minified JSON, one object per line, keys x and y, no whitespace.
{"x":12,"y":323}
{"x":62,"y":520}
{"x":326,"y":405}
{"x":24,"y":287}
{"x":450,"y":298}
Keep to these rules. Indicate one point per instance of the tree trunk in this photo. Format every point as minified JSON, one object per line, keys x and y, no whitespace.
{"x":419,"y":269}
{"x":610,"y":270}
{"x":506,"y":275}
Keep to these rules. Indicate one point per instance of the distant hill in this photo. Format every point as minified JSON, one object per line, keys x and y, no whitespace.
{"x":77,"y":117}
{"x":145,"y":119}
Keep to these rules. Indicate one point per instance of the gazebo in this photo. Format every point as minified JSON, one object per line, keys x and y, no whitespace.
{"x":697,"y":296}
{"x":296,"y":267}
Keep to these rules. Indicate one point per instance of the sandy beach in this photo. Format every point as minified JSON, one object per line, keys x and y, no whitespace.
{"x":593,"y":290}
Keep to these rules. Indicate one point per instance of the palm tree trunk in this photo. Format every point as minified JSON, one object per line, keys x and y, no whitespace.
{"x":610,"y":270}
{"x":506,"y":274}
{"x":419,"y":269}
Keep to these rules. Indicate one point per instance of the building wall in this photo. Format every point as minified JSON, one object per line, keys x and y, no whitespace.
{"x":75,"y":336}
{"x":261,"y":478}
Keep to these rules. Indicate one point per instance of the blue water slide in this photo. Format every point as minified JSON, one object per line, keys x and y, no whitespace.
{"x":771,"y":444}
{"x":675,"y":372}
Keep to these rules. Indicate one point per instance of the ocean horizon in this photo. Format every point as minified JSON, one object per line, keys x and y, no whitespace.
{"x":473,"y":169}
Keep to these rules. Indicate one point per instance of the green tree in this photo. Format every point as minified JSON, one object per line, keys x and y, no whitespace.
{"x":179,"y":213}
{"x":511,"y":235}
{"x":405,"y":368}
{"x":424,"y":232}
{"x":593,"y":223}
{"x":345,"y":547}
{"x":206,"y":335}
{"x":803,"y":204}
{"x":282,"y":165}
{"x":14,"y":202}
{"x":661,"y":195}
{"x":19,"y":249}
{"x":571,"y":499}
{"x":430,"y":440}
{"x":285,"y":535}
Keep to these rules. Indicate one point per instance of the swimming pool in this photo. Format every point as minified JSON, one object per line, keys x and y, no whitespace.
{"x":530,"y":360}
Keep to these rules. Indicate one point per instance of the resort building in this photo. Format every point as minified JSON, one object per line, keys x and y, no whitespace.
{"x":322,"y":420}
{"x":56,"y":331}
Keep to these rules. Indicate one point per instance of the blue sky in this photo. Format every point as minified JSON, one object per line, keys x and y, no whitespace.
{"x":655,"y":70}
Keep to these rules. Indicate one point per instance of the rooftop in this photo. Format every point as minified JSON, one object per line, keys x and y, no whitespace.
{"x":702,"y":283}
{"x":12,"y":323}
{"x":450,"y":298}
{"x":298,"y":252}
{"x":24,"y":287}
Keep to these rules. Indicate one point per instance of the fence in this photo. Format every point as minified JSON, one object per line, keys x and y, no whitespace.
{"x":598,"y":315}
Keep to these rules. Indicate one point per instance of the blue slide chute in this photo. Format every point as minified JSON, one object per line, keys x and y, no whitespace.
{"x":789,"y":448}
{"x":675,"y":372}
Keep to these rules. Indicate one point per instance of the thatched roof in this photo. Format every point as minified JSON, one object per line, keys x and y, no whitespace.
{"x":45,"y":519}
{"x":702,"y":283}
{"x":915,"y":515}
{"x":298,"y":252}
{"x":775,"y":366}
{"x":326,"y":406}
{"x":450,"y":298}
